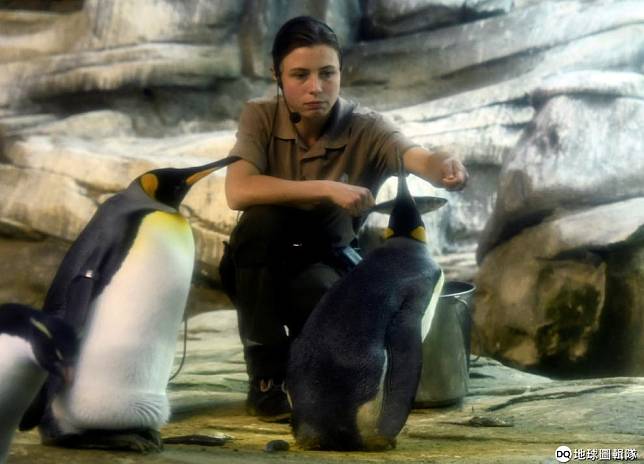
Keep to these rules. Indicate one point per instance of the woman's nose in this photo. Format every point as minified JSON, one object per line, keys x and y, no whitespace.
{"x":315,"y":84}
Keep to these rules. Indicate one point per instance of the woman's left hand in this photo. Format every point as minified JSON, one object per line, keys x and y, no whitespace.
{"x":454,"y":176}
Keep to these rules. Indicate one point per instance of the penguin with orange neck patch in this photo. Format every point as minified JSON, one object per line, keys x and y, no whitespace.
{"x":354,"y":369}
{"x":123,"y":286}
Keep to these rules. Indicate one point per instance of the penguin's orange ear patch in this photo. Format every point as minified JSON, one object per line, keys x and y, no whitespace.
{"x":150,"y":184}
{"x":419,"y":234}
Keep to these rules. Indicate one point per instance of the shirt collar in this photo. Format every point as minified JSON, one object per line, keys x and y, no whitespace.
{"x":337,"y":132}
{"x":283,"y":126}
{"x":338,"y":129}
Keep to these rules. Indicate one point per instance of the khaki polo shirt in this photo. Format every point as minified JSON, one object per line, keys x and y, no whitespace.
{"x":358,"y":146}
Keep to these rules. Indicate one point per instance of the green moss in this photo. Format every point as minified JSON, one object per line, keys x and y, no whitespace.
{"x":572,"y":312}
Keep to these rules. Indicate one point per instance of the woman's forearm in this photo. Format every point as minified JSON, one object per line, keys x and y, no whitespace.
{"x":262,"y":190}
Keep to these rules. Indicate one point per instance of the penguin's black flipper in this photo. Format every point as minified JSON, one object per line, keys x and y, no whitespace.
{"x":404,"y":360}
{"x":33,"y":415}
{"x":36,"y":413}
{"x":82,"y":289}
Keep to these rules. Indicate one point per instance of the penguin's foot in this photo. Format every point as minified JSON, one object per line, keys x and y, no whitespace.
{"x":140,"y":440}
{"x":267,"y":401}
{"x":379,"y":443}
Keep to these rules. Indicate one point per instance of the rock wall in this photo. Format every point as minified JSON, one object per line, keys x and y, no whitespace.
{"x":540,"y":99}
{"x":559,"y":281}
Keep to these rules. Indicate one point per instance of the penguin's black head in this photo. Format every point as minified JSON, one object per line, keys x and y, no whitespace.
{"x":405,"y":220}
{"x":54,"y":343}
{"x":170,"y":185}
{"x":405,"y":211}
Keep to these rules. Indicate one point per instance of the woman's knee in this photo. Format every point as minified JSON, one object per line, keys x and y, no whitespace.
{"x":261,"y":233}
{"x":262,"y":222}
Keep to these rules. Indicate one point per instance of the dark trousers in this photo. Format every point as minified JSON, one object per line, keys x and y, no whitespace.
{"x":276,"y":268}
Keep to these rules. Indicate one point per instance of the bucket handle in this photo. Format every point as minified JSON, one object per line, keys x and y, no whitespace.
{"x":473,"y":332}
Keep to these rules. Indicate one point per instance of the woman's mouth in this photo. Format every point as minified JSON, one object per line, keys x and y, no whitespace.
{"x":316,"y":105}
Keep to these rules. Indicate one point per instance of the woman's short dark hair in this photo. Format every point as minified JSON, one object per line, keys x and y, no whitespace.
{"x":302,"y":31}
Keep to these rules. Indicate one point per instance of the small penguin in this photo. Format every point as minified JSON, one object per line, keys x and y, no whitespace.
{"x":32,"y":345}
{"x":354,"y":369}
{"x":123,"y":285}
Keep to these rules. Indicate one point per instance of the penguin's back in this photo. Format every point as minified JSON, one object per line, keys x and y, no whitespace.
{"x":365,"y":299}
{"x":129,"y":346}
{"x":338,"y":364}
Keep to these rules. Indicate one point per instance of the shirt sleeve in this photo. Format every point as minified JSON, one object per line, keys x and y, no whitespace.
{"x":253,"y":136}
{"x":389,"y":141}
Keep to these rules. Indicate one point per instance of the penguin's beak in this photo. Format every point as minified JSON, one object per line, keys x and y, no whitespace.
{"x":203,"y":171}
{"x":193,"y":179}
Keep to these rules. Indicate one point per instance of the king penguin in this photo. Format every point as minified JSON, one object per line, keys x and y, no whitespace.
{"x":32,"y":346}
{"x":123,"y":285}
{"x":354,"y":369}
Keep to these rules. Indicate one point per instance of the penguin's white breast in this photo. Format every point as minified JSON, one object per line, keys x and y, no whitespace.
{"x":430,"y":312}
{"x":131,"y":338}
{"x":20,"y":379}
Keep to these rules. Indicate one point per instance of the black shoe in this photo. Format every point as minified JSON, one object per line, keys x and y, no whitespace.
{"x":267,"y":400}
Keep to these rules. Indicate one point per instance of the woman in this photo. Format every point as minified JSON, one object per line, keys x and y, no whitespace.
{"x":311,"y":165}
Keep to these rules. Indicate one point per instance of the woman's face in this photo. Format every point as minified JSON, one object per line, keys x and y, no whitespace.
{"x":311,"y":80}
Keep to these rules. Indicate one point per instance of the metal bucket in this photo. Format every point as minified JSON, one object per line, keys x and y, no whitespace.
{"x":446,"y":349}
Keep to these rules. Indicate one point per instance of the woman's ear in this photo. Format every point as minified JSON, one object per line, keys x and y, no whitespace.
{"x":276,"y":77}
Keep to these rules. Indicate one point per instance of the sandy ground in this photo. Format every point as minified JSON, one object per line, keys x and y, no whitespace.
{"x":538,"y":416}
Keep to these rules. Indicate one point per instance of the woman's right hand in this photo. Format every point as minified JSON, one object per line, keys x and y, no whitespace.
{"x":353,"y":199}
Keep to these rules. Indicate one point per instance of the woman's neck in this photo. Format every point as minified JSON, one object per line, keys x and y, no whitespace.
{"x":310,"y":130}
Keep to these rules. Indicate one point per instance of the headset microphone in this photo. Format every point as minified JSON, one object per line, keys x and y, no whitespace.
{"x":294,"y":116}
